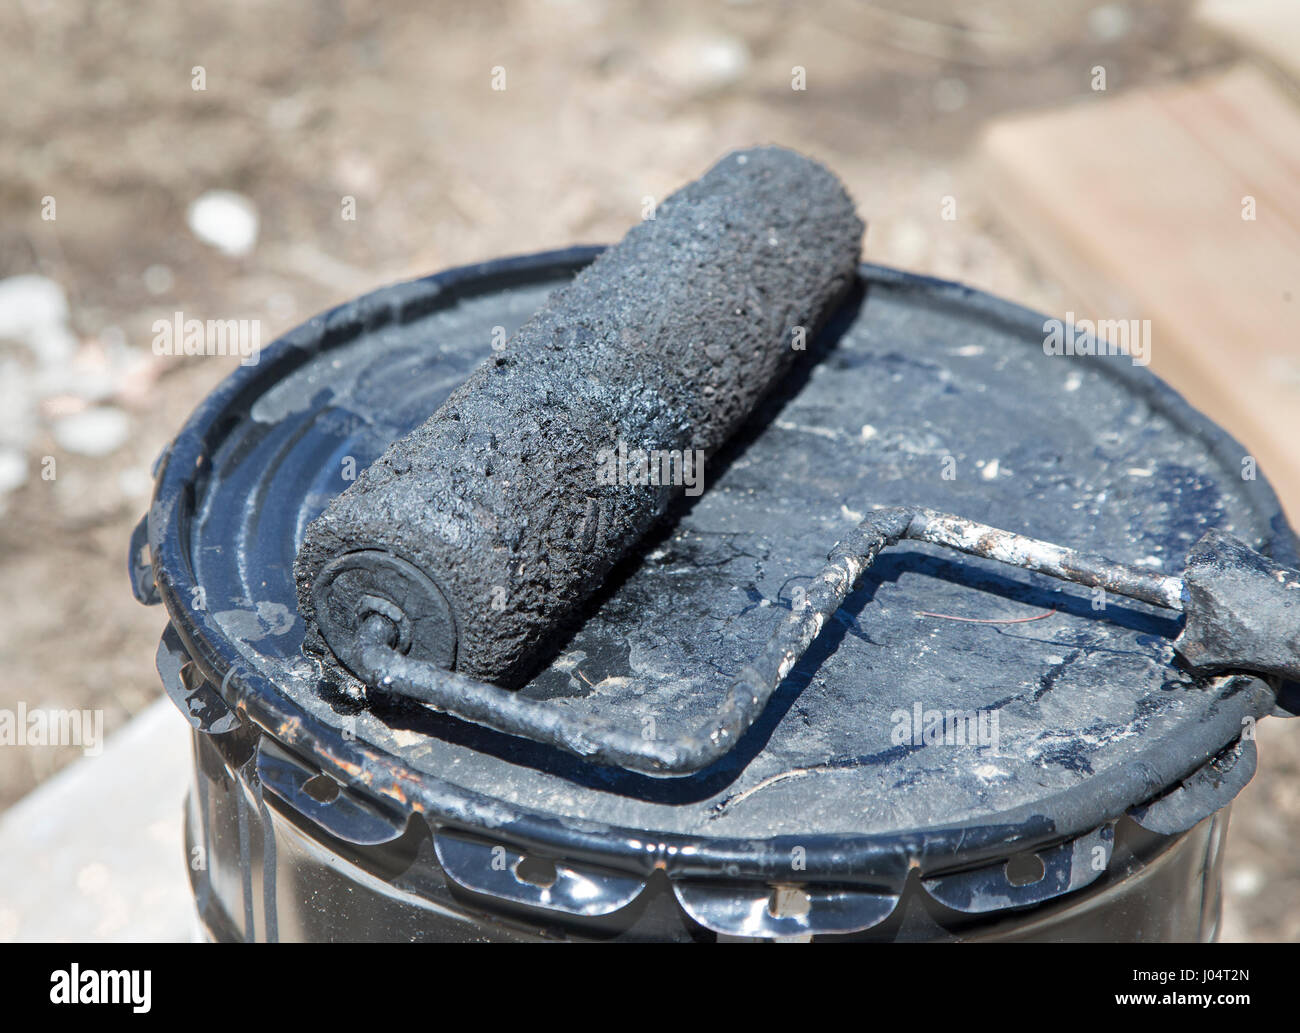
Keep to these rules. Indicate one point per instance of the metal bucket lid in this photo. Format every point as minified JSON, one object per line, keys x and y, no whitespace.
{"x":923,"y":392}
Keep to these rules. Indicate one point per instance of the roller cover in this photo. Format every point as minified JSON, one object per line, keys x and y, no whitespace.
{"x":481,"y":533}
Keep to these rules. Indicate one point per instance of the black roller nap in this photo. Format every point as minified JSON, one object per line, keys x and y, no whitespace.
{"x":479,"y":533}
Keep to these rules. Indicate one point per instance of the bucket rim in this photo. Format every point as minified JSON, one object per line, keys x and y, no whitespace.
{"x":876,"y":859}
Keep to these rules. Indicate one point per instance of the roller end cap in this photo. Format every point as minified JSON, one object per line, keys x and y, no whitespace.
{"x":355,"y":586}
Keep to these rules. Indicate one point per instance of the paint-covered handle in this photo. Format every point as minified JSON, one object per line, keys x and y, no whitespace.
{"x":1243,"y":610}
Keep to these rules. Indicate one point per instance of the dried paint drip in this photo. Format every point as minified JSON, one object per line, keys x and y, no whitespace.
{"x":474,"y":538}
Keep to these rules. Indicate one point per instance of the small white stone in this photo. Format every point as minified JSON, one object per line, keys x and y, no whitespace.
{"x":1246,"y":881}
{"x":1109,"y":21}
{"x":93,"y":432}
{"x":705,"y":63}
{"x":18,"y":419}
{"x":723,"y":59}
{"x":908,"y":243}
{"x":13,"y":470}
{"x":990,"y":471}
{"x":158,"y":279}
{"x":226,"y":220}
{"x":34,"y":311}
{"x":27,"y":301}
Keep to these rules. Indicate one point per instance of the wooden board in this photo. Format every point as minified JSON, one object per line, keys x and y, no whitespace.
{"x":1135,"y":203}
{"x":1270,"y":28}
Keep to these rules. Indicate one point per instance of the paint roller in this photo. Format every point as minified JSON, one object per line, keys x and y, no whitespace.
{"x":473,"y":540}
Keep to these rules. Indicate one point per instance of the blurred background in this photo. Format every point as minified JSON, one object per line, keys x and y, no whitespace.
{"x":1109,"y":159}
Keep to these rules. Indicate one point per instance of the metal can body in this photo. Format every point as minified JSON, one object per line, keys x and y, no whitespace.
{"x":262,"y":871}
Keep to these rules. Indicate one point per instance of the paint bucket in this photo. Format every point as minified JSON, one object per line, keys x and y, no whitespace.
{"x":914,"y":776}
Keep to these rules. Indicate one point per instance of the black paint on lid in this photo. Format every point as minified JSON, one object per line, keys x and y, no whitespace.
{"x":915,"y":380}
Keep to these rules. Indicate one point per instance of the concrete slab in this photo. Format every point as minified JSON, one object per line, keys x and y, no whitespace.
{"x":95,"y":854}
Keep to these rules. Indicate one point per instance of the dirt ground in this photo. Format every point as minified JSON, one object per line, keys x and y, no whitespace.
{"x":306,"y":104}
